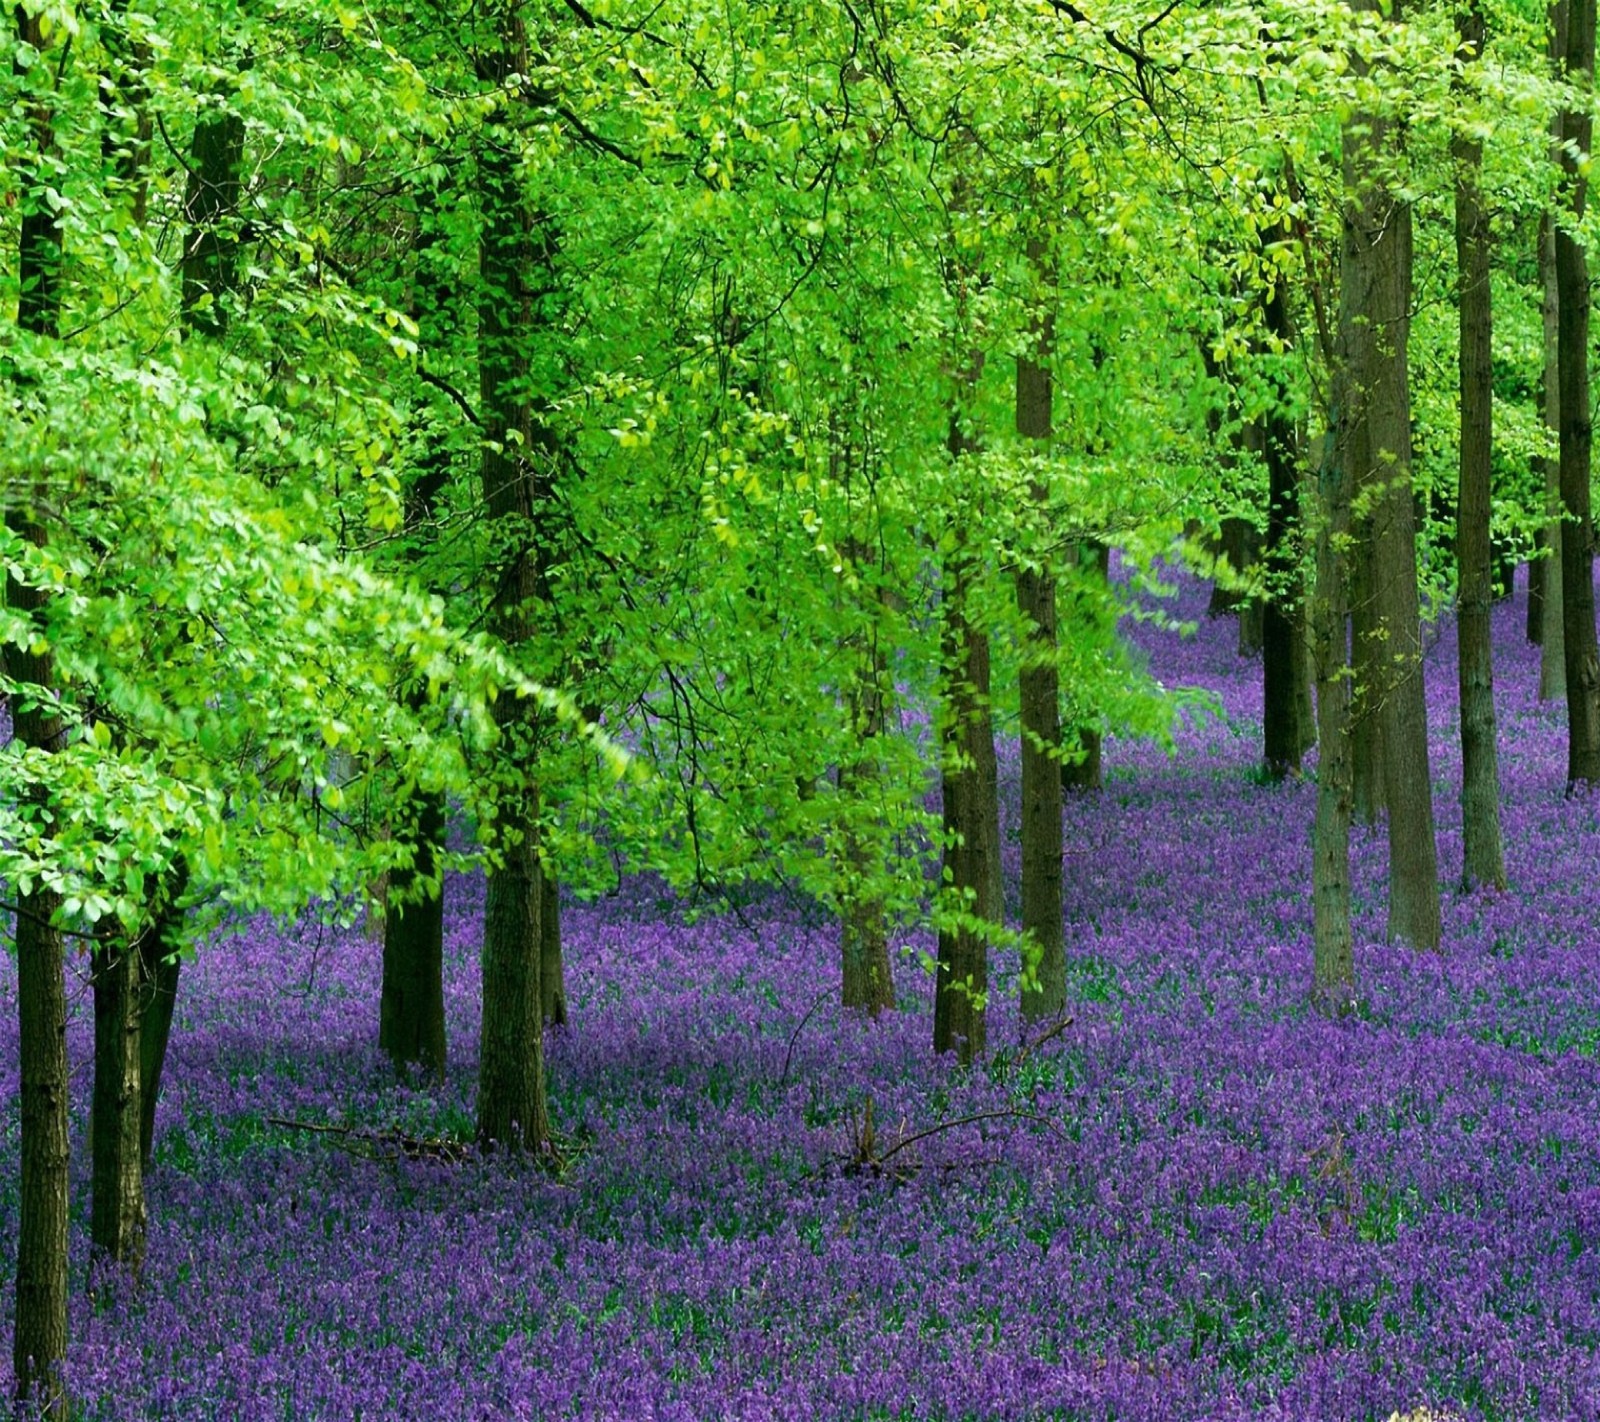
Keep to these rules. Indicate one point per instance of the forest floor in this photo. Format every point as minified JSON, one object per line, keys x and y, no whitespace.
{"x":1198,"y":1201}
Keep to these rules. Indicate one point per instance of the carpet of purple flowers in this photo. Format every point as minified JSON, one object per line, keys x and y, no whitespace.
{"x":1198,"y":1201}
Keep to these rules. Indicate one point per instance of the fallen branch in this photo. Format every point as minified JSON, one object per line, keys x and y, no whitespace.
{"x":446,"y":1149}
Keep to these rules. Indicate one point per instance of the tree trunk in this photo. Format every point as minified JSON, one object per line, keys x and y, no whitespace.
{"x":117,"y":1222}
{"x":158,"y":987}
{"x":1366,"y":725}
{"x":1045,"y":993}
{"x":1577,"y":542}
{"x":411,"y":1005}
{"x":1333,"y":956}
{"x":1375,"y":305}
{"x":1283,"y":621}
{"x":866,"y":974}
{"x":972,"y":837}
{"x":210,"y":207}
{"x":1552,"y":639}
{"x":1483,"y":858}
{"x":1237,"y":547}
{"x":512,"y":1109}
{"x":39,"y":1340}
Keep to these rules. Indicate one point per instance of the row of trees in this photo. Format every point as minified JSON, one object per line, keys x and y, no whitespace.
{"x":615,"y":427}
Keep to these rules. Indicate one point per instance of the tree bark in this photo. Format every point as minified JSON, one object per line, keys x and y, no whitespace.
{"x":971,"y":824}
{"x":158,"y":987}
{"x":1577,"y":542}
{"x":866,"y":973}
{"x":210,"y":207}
{"x":1237,"y":545}
{"x":1333,"y":955}
{"x":1046,"y":994}
{"x":1552,"y":639}
{"x":1375,"y":305}
{"x":117,"y":1221}
{"x":512,"y":1109}
{"x":1552,"y":633}
{"x":39,"y":1339}
{"x":1483,"y":857}
{"x":411,"y":1025}
{"x":1366,"y":724}
{"x":1283,"y":621}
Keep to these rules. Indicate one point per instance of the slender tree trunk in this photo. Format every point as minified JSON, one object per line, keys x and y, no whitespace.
{"x":117,"y":1223}
{"x":512,"y":1109}
{"x":866,"y":974}
{"x":1552,"y":638}
{"x":411,"y":1006}
{"x":158,"y":986}
{"x":1375,"y":301}
{"x":1333,"y":955}
{"x":1366,"y":723}
{"x":1484,"y":858}
{"x":210,"y":206}
{"x":39,"y":1340}
{"x":1046,"y":994}
{"x":1283,"y":620}
{"x":1237,"y":547}
{"x":1577,"y":542}
{"x":971,"y":825}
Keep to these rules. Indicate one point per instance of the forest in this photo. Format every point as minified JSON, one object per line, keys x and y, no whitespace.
{"x":863,"y":711}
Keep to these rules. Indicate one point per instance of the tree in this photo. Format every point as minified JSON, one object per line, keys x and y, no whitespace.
{"x":1484,"y":859}
{"x":40,"y":1339}
{"x":1045,"y":994}
{"x":512,"y":1109}
{"x":1375,"y":303}
{"x":1577,"y":534}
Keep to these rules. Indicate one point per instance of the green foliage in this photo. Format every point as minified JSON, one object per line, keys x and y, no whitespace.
{"x":775,"y":265}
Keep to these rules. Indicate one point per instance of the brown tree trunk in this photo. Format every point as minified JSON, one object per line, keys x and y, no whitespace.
{"x":39,"y":1343}
{"x":1283,"y":620}
{"x":1333,"y":955}
{"x":512,"y":1109}
{"x":1552,"y":634}
{"x":210,"y":207}
{"x":117,"y":1222}
{"x":866,"y":974}
{"x":1237,"y":546}
{"x":1375,"y":305}
{"x":411,"y":1004}
{"x":1044,"y":993}
{"x":1552,"y":639}
{"x":1483,"y":858}
{"x":158,"y":989}
{"x":1577,"y":542}
{"x":39,"y":1340}
{"x":1366,"y":724}
{"x":972,"y":837}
